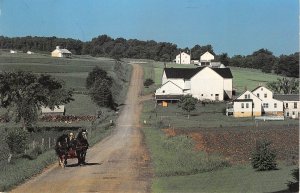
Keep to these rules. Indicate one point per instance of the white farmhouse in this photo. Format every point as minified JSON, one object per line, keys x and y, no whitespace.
{"x":203,"y":83}
{"x":183,"y":58}
{"x":291,"y":104}
{"x":13,"y":51}
{"x":61,"y":53}
{"x":258,"y":102}
{"x":270,"y":105}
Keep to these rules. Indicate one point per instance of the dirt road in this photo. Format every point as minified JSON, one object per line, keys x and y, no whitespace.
{"x":119,"y":163}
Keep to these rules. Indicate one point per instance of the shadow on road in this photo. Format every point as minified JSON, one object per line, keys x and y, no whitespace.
{"x":86,"y":164}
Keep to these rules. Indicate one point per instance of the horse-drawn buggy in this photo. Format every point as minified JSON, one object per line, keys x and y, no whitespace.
{"x":69,"y":147}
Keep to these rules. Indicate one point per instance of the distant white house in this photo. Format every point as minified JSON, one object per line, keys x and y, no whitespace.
{"x":29,"y":52}
{"x":58,"y":110}
{"x":203,"y":83}
{"x":13,"y":51}
{"x":206,"y":58}
{"x":257,"y":102}
{"x":183,"y":58}
{"x":61,"y":53}
{"x":291,"y":104}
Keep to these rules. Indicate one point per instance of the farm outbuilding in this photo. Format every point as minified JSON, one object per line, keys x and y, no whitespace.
{"x":61,"y":53}
{"x":291,"y":104}
{"x":57,"y":110}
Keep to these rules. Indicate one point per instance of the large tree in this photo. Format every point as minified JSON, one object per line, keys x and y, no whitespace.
{"x":285,"y":85}
{"x":99,"y":85}
{"x":24,"y":93}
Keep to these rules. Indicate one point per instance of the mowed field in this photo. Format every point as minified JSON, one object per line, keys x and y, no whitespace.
{"x":211,"y":133}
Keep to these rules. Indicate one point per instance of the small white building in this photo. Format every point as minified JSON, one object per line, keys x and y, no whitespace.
{"x":29,"y":52}
{"x":291,"y":104}
{"x":247,"y":105}
{"x":57,"y":110}
{"x":206,"y":58}
{"x":13,"y":51}
{"x":203,"y":83}
{"x":183,"y":58}
{"x":61,"y":53}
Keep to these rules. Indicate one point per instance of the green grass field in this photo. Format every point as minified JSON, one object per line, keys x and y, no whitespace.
{"x":235,"y":179}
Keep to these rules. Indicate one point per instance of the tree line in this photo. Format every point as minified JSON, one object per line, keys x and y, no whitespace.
{"x":106,"y":46}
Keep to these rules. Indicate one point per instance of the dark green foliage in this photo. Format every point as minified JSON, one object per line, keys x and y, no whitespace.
{"x":17,"y":141}
{"x":187,"y":103}
{"x":99,"y":85}
{"x":285,"y":85}
{"x":148,"y":82}
{"x":264,"y":158}
{"x":26,"y":92}
{"x":294,"y":185}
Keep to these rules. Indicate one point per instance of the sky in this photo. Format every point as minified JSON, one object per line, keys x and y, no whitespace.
{"x":230,"y":26}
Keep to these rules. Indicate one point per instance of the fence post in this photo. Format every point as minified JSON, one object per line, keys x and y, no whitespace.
{"x":49,"y":143}
{"x":43,"y":140}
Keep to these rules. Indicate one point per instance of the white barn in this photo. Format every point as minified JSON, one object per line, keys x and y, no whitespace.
{"x":203,"y":83}
{"x":61,"y":53}
{"x":183,"y":58}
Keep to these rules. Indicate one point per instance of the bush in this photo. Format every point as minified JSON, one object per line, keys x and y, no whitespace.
{"x":264,"y":158}
{"x":148,"y":82}
{"x":34,"y":153}
{"x":16,"y":141}
{"x":294,"y":186}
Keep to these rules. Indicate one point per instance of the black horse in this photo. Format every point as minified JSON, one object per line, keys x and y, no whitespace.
{"x":61,"y":149}
{"x":77,"y":148}
{"x":81,"y":146}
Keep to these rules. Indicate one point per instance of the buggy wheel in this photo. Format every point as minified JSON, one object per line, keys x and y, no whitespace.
{"x":65,"y":162}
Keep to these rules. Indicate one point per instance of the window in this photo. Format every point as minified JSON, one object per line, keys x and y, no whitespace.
{"x":247,"y":105}
{"x":252,"y":105}
{"x":266,"y":105}
{"x":247,"y":96}
{"x":163,"y":91}
{"x":201,"y":94}
{"x":287,"y":114}
{"x":258,"y":95}
{"x":242,"y":105}
{"x":295,"y":105}
{"x":293,"y":112}
{"x":211,"y":95}
{"x":275,"y":105}
{"x":261,"y":89}
{"x":286,"y":105}
{"x":265,"y":95}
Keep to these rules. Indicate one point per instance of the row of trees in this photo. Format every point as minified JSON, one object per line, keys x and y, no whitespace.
{"x":106,"y":46}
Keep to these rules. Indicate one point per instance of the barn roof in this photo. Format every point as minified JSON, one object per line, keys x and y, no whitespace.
{"x":188,"y":73}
